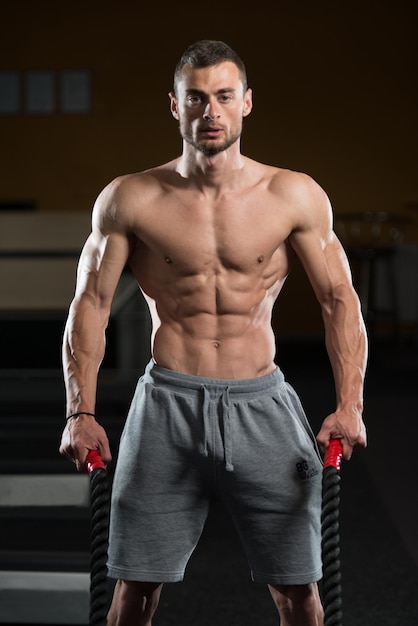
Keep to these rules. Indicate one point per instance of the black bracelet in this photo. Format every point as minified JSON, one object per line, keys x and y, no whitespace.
{"x":79,"y":413}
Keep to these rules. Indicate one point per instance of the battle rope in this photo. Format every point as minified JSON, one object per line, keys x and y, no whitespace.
{"x":331,"y":582}
{"x":99,"y":497}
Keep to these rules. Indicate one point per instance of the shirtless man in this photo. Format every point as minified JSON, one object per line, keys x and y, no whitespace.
{"x":210,"y":238}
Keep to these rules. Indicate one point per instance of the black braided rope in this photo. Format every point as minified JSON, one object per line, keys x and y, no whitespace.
{"x":331,"y":583}
{"x":99,"y":490}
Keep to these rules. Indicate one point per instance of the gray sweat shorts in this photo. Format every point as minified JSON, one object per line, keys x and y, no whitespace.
{"x":190,"y":440}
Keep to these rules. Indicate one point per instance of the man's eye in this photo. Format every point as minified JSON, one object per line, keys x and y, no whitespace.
{"x":193,"y":99}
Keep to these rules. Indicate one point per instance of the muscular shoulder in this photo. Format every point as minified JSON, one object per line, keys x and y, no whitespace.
{"x":122,"y":201}
{"x":305,"y":200}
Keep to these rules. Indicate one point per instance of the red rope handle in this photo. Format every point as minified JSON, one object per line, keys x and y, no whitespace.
{"x":333,"y":454}
{"x":94,"y":461}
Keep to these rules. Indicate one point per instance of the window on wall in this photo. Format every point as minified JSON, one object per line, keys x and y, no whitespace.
{"x":10,"y":96}
{"x":74,"y":92}
{"x":45,"y":92}
{"x":39,"y":93}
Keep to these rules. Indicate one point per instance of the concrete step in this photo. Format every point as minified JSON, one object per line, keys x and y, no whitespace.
{"x":41,"y":580}
{"x":38,"y":597}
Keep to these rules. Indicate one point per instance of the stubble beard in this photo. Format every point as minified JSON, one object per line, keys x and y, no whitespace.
{"x":208,"y":147}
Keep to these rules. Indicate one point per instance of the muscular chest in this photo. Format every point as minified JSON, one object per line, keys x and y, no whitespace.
{"x":202,"y":237}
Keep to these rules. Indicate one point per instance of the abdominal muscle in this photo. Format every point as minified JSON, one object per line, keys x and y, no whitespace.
{"x":234,"y":340}
{"x":248,"y":356}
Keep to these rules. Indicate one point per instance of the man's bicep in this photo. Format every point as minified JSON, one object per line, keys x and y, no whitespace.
{"x":102,"y":261}
{"x":324,"y":261}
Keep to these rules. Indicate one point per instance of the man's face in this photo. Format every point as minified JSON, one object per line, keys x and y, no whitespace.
{"x":210,"y":104}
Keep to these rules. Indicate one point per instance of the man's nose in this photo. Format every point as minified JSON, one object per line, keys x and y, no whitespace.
{"x":211,"y":112}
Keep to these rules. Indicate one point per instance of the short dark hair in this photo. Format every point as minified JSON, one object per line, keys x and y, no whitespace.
{"x":209,"y":52}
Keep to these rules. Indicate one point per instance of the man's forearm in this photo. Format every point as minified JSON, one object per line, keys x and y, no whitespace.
{"x":83,"y":351}
{"x":347,"y":347}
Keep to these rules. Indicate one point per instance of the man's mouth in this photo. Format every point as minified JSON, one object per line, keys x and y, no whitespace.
{"x":211,"y":132}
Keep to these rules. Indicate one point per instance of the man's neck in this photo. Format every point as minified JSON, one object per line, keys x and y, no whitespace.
{"x":217,"y":171}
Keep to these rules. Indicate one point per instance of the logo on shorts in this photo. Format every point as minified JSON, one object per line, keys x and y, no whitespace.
{"x":304,"y":471}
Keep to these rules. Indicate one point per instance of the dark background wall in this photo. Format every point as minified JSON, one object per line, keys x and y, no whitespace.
{"x":334,"y":91}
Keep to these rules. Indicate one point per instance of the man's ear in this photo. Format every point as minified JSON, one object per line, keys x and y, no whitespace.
{"x":248,"y":102}
{"x":173,"y":105}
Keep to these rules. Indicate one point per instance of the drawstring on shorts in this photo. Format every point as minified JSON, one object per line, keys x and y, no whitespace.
{"x":227,"y":431}
{"x":206,"y":420}
{"x":226,"y":423}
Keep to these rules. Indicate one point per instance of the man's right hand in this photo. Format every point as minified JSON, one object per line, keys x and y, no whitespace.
{"x":82,"y":434}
